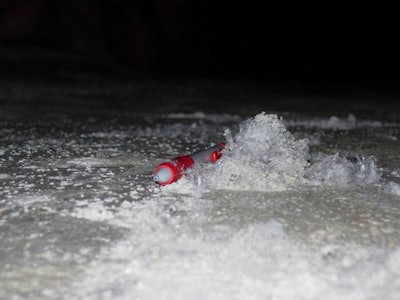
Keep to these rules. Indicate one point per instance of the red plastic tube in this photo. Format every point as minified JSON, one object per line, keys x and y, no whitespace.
{"x":170,"y":171}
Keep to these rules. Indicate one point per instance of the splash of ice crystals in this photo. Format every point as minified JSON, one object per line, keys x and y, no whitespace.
{"x":337,"y":169}
{"x":265,"y":156}
{"x":262,"y":156}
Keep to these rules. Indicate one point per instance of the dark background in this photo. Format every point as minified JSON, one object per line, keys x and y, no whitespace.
{"x":214,"y":37}
{"x":333,"y":45}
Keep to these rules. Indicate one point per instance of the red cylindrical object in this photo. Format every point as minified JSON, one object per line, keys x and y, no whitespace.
{"x":176,"y":168}
{"x":170,"y":171}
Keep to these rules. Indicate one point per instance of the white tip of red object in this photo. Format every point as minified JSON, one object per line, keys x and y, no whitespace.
{"x":163,"y":175}
{"x":170,"y":171}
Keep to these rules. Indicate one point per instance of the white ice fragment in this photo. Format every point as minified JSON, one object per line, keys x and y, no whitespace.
{"x":82,"y":202}
{"x":140,"y":188}
{"x":126,"y":204}
{"x":134,"y":195}
{"x":393,"y":188}
{"x":95,"y":211}
{"x":337,"y":169}
{"x":271,"y":229}
{"x":395,"y":173}
{"x":29,"y":200}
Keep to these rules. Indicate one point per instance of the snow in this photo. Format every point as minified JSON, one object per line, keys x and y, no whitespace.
{"x":274,"y":218}
{"x":188,"y":256}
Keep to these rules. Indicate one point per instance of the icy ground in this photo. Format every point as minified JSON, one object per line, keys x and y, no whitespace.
{"x":299,"y":207}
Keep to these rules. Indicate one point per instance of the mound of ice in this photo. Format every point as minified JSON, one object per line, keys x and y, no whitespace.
{"x":265,"y":156}
{"x":262,"y":156}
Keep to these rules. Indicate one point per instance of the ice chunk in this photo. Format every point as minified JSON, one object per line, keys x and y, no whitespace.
{"x":265,"y":156}
{"x":262,"y":156}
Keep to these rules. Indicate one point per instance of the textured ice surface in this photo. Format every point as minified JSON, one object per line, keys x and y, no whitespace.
{"x":80,"y":217}
{"x":238,"y":246}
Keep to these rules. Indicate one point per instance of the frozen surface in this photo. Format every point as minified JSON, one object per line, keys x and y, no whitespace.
{"x":299,"y":207}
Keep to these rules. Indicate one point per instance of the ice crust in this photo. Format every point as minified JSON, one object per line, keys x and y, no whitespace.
{"x":180,"y":249}
{"x":271,"y":220}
